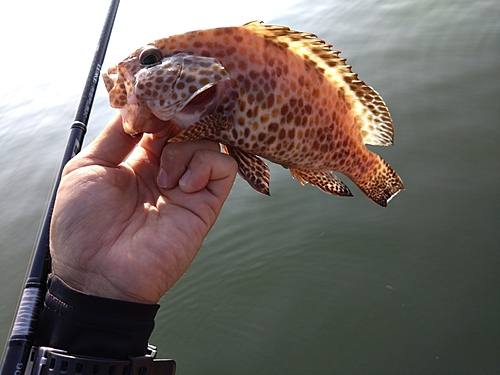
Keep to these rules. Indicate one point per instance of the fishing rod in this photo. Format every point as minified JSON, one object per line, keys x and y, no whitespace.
{"x":20,"y":342}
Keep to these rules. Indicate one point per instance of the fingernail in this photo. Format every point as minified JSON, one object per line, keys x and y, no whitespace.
{"x":162,"y":179}
{"x":185,"y":178}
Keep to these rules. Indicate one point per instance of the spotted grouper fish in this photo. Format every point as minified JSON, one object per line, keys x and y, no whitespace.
{"x":262,"y":91}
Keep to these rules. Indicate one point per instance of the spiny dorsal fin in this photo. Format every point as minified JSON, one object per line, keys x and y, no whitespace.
{"x":373,"y":118}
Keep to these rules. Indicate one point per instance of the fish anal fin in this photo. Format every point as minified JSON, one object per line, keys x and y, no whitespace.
{"x":325,"y":181}
{"x":251,"y":168}
{"x":205,"y":127}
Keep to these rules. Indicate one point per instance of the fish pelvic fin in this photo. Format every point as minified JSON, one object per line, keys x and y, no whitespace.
{"x":206,"y":127}
{"x":381,"y":183}
{"x":325,"y":181}
{"x":251,"y":168}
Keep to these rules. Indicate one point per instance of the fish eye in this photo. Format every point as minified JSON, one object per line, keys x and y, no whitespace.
{"x":150,"y":55}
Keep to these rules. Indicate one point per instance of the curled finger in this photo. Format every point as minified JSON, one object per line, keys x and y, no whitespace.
{"x":177,"y":157}
{"x":209,"y":169}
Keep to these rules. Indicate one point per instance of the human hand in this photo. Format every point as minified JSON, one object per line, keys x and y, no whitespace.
{"x":116,"y":232}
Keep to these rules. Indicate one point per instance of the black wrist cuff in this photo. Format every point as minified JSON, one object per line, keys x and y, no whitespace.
{"x":93,"y":326}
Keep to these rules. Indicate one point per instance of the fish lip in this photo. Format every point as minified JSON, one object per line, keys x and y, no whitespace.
{"x":148,"y":123}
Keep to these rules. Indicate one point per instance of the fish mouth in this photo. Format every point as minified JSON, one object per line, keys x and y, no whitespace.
{"x":151,"y":125}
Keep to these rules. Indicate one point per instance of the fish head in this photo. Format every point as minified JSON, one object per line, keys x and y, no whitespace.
{"x":180,"y":88}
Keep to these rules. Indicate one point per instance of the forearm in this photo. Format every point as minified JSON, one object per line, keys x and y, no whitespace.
{"x":93,"y":326}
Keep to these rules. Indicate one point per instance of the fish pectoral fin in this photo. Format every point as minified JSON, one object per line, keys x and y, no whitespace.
{"x":205,"y":127}
{"x":251,"y":168}
{"x":325,"y":181}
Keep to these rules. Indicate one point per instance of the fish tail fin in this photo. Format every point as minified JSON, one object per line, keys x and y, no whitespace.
{"x":381,"y":183}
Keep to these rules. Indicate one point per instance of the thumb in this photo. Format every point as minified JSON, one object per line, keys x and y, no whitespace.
{"x":110,"y":148}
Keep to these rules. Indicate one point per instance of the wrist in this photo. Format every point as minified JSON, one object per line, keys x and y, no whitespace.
{"x":98,"y":285}
{"x":93,"y":285}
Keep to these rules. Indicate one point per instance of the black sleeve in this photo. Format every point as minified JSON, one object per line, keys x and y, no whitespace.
{"x":93,"y":326}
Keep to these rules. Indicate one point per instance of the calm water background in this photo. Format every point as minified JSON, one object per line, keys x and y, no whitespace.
{"x":301,"y":282}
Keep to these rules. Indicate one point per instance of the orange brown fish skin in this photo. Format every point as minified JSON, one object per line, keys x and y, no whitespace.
{"x":299,"y":105}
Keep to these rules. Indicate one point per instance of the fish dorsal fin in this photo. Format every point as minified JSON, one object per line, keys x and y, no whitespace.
{"x":372,"y":115}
